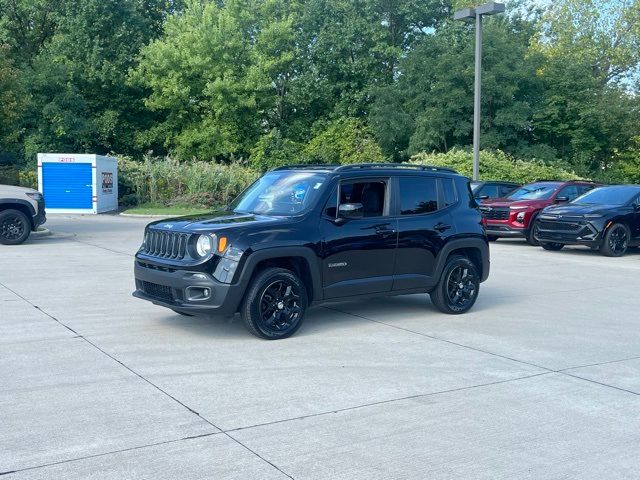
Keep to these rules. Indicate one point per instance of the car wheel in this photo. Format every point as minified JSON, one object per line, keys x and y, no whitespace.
{"x":554,"y":247}
{"x":275,"y":304}
{"x":615,"y":241}
{"x":458,"y":287}
{"x":15,"y":227}
{"x":531,"y":234}
{"x":492,"y":238}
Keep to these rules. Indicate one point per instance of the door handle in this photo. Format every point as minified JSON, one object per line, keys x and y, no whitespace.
{"x":442,"y":227}
{"x":385,"y":232}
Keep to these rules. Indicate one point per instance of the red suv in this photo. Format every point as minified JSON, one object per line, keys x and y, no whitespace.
{"x":514,"y":215}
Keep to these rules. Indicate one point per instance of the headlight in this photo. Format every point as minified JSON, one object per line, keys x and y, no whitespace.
{"x":518,"y":208}
{"x":204,"y":245}
{"x":593,"y":215}
{"x":37,"y":196}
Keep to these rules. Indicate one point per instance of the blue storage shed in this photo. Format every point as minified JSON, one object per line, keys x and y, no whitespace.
{"x":78,"y":183}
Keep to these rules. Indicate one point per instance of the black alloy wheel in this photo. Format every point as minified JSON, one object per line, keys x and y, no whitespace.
{"x":275,"y":304}
{"x":616,"y":241}
{"x":14,"y":227}
{"x":532,"y":233}
{"x":458,"y":288}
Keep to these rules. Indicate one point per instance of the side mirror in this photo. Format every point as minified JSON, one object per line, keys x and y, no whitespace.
{"x":636,"y":207}
{"x":350,"y":211}
{"x":562,"y":199}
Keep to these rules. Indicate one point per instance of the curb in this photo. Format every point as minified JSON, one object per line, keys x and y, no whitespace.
{"x":139,"y":215}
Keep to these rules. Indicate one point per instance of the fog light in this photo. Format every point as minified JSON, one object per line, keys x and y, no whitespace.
{"x":520,"y":217}
{"x":198,"y":294}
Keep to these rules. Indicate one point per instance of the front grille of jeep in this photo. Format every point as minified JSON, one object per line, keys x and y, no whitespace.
{"x":493,"y":213}
{"x":163,"y":244}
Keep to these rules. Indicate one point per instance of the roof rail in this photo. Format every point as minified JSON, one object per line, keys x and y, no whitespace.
{"x":302,"y":166}
{"x":429,"y":168}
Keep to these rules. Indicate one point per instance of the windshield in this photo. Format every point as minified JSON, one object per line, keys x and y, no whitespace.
{"x":281,"y":193}
{"x":608,"y":196}
{"x":534,"y":191}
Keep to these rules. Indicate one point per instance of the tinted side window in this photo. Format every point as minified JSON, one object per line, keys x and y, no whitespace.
{"x":506,"y":190}
{"x":418,"y":195}
{"x":371,"y":194}
{"x":490,"y":191}
{"x":585,"y":188}
{"x":570,"y":191}
{"x":449,"y":192}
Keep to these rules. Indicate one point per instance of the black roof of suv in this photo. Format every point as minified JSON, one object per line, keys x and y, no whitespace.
{"x":310,"y":234}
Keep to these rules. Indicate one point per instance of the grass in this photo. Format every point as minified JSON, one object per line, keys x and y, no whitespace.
{"x":156,"y":209}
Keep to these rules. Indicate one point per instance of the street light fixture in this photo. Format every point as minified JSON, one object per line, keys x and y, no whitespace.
{"x":469,"y":15}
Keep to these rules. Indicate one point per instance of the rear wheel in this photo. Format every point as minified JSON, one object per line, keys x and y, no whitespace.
{"x":15,"y":227}
{"x":458,"y":287}
{"x":275,"y":304}
{"x":616,"y":241}
{"x":554,"y":247}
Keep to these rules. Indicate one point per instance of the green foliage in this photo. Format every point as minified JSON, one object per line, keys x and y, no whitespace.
{"x":495,"y":165}
{"x":11,"y":104}
{"x":166,"y":181}
{"x":272,"y":150}
{"x":343,"y":141}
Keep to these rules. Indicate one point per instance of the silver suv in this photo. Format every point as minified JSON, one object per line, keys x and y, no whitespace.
{"x":21,"y":212}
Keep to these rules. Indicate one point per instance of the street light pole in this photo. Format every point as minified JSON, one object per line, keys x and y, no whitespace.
{"x":476,"y":100}
{"x":469,"y":15}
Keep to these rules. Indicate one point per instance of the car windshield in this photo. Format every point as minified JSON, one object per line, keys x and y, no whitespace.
{"x":608,"y":196}
{"x":534,"y":191}
{"x":281,"y":193}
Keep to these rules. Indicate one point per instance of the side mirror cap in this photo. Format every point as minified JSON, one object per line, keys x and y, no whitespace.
{"x":562,"y":199}
{"x":350,"y":211}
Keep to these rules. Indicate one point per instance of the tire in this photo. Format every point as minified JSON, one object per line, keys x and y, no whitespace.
{"x":448,"y":296}
{"x":553,"y":247}
{"x":274,"y":304}
{"x":616,"y":240}
{"x":15,"y":227}
{"x":492,"y":238}
{"x":531,"y":234}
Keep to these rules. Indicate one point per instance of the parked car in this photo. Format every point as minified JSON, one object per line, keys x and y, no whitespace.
{"x":492,"y":189}
{"x":605,"y":219}
{"x":21,"y":212}
{"x":313,"y":234}
{"x":514,"y":215}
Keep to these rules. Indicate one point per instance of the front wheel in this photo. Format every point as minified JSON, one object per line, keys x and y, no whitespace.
{"x":458,"y":287}
{"x":615,"y":241}
{"x":554,"y":247}
{"x":531,"y":234}
{"x":15,"y":227}
{"x":275,"y":304}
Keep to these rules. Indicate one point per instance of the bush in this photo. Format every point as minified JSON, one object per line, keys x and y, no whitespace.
{"x":346,"y":140}
{"x":166,"y":181}
{"x":495,"y":165}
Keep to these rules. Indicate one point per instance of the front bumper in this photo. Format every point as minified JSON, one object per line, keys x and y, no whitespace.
{"x":504,"y":230}
{"x":185,"y":291}
{"x":41,"y":217}
{"x":568,"y":232}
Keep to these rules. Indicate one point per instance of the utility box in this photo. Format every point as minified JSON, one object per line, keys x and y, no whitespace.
{"x":78,"y":182}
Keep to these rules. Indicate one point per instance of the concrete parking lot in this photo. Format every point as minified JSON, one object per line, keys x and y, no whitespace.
{"x":540,"y":380}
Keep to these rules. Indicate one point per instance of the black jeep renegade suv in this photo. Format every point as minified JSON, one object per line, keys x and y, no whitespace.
{"x":312,"y":234}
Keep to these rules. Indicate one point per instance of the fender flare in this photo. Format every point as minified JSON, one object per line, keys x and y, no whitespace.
{"x":261,"y":255}
{"x":479,"y":243}
{"x":22,"y":203}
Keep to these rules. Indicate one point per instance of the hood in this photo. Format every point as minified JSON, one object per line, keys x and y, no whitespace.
{"x":573,"y":210}
{"x":505,"y":202}
{"x":214,"y":221}
{"x":11,"y":189}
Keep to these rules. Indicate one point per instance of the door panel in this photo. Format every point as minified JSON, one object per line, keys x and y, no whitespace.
{"x":358,"y":256}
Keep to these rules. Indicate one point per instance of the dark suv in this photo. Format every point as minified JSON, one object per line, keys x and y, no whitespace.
{"x":313,"y":234}
{"x":514,"y":215}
